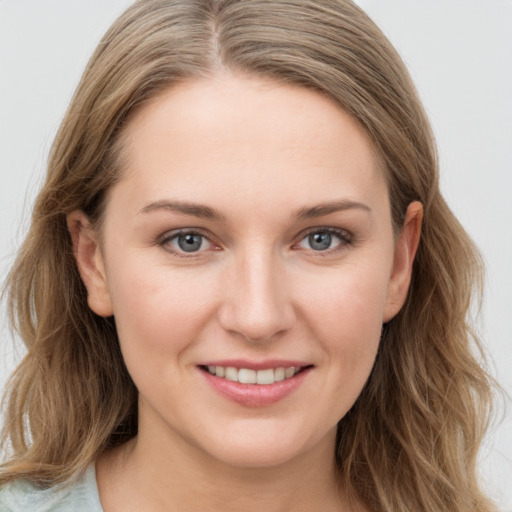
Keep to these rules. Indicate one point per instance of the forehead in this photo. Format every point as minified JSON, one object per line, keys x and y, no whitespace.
{"x":244,"y":136}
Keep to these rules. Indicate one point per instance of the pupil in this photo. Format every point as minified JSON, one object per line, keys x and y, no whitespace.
{"x":190,"y":243}
{"x":320,"y":241}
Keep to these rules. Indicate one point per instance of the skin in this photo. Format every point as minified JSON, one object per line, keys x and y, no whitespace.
{"x":257,"y":153}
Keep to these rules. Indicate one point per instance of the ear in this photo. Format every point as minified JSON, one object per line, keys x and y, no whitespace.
{"x":405,"y":250}
{"x":90,"y":264}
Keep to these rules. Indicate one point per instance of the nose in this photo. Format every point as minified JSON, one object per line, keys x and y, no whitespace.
{"x":257,"y":303}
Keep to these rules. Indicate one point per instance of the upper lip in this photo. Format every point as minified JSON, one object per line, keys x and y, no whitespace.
{"x":256,"y":365}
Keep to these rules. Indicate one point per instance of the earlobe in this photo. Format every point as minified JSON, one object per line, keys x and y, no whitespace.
{"x":90,"y":263}
{"x":405,"y":251}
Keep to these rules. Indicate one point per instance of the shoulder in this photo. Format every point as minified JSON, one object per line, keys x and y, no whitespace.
{"x":80,"y":496}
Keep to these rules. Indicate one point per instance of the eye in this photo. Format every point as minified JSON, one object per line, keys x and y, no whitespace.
{"x":324,"y":239}
{"x":187,"y":242}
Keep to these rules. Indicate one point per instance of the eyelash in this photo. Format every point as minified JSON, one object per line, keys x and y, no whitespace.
{"x":174,"y":235}
{"x":344,"y":236}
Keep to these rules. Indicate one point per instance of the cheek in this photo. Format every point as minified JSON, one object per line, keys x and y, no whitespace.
{"x":345,"y":311}
{"x":157,"y":309}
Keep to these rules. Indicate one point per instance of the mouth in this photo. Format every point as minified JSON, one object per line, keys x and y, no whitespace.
{"x":255,"y":383}
{"x":262,"y":377}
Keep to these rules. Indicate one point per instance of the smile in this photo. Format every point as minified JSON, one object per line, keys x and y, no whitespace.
{"x":262,"y":385}
{"x":248,"y":376}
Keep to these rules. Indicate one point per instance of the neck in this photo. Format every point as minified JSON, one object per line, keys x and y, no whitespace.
{"x":149,"y":474}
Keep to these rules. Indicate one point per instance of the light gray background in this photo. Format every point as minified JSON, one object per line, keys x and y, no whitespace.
{"x":460,"y":55}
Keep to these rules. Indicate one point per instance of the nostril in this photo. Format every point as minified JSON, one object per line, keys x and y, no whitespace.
{"x":258,"y":324}
{"x":256,"y":304}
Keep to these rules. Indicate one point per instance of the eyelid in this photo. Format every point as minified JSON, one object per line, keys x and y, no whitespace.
{"x":345,"y":237}
{"x":343,"y":233}
{"x":165,"y":239}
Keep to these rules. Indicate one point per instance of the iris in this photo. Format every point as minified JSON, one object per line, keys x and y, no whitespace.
{"x":320,"y":241}
{"x":190,"y":242}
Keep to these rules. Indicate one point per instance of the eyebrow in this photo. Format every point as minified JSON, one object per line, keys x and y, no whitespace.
{"x":322,"y":209}
{"x":206,"y":212}
{"x":185,"y":208}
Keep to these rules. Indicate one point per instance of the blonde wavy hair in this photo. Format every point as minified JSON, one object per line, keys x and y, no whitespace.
{"x":410,"y":442}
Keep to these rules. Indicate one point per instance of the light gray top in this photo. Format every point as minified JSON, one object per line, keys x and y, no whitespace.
{"x":81,"y":496}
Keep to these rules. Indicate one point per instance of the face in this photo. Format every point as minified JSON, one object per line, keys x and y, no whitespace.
{"x":248,"y":258}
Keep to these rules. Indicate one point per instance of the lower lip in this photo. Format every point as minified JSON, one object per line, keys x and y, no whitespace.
{"x":255,"y":395}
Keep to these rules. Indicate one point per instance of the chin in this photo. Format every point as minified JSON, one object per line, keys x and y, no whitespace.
{"x":264,"y":448}
{"x":256,"y":457}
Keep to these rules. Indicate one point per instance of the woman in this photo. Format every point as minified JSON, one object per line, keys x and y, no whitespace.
{"x":242,"y":288}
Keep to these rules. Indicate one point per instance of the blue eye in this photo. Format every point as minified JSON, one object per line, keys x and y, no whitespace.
{"x":323,"y":240}
{"x":320,"y":241}
{"x":188,"y":242}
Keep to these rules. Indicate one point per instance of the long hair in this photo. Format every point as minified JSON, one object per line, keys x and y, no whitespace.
{"x":410,"y":441}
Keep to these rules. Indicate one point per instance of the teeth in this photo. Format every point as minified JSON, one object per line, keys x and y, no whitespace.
{"x":289,"y":372}
{"x":231,"y":374}
{"x":265,"y":376}
{"x":247,"y":376}
{"x":279,"y":374}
